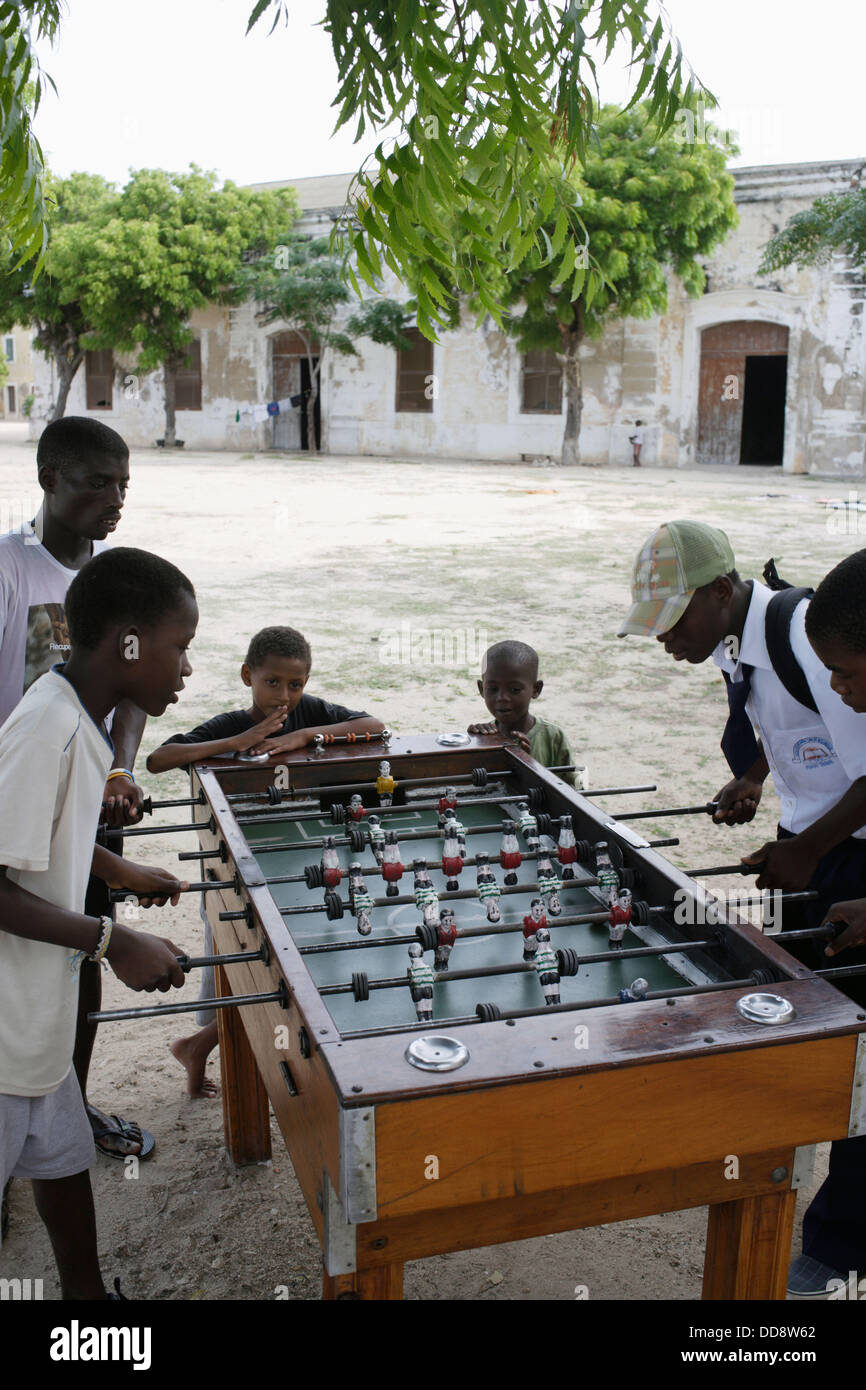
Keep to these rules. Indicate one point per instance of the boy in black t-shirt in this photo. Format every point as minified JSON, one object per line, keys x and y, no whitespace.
{"x":281,"y":719}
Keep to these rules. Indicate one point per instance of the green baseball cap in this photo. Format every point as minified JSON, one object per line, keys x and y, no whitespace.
{"x":676,"y":559}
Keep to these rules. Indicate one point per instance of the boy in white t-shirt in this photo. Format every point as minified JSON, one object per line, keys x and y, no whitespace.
{"x":131,"y":617}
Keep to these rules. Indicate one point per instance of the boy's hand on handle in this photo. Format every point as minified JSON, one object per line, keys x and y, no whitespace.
{"x":244,"y":742}
{"x":514,"y":736}
{"x":152,"y":887}
{"x":853,"y":915}
{"x":738,"y":801}
{"x":121,"y":802}
{"x":785,"y":864}
{"x":143,"y":961}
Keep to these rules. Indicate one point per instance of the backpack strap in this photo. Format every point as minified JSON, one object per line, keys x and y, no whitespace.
{"x":777,"y":630}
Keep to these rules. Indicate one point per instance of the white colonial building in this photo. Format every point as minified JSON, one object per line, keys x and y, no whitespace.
{"x":760,"y":369}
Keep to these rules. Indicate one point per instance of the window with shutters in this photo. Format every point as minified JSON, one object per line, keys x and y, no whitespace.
{"x":99,"y":375}
{"x":542,"y":384}
{"x":415,"y":374}
{"x":187,"y":382}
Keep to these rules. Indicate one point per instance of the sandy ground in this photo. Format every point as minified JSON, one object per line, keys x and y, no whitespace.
{"x":348,"y":550}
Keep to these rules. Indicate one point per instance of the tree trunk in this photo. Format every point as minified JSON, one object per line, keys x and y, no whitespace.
{"x":169,"y":368}
{"x":570,"y":358}
{"x":67,"y":366}
{"x":310,"y":405}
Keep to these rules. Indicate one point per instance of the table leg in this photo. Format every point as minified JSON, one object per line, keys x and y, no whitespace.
{"x":246,"y":1114}
{"x":383,"y":1282}
{"x":749,"y":1247}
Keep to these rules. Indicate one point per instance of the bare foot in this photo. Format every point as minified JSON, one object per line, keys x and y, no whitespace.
{"x":192,"y":1053}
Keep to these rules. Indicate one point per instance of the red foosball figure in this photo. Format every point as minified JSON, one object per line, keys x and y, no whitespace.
{"x":355,"y":809}
{"x":447,"y":938}
{"x":447,"y":803}
{"x":619,"y":919}
{"x":509,"y":851}
{"x":331,"y":871}
{"x":392,"y":869}
{"x":452,"y":859}
{"x":566,"y":849}
{"x":535,"y":919}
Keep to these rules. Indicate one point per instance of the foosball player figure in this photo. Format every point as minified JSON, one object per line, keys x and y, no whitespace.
{"x":452,"y":859}
{"x":447,"y":803}
{"x":619,"y":919}
{"x":385,"y":783}
{"x":533,"y":922}
{"x":453,"y":826}
{"x":422,"y":979}
{"x":447,"y":938}
{"x":509,"y":852}
{"x":566,"y":849}
{"x":355,"y":810}
{"x":360,"y":902}
{"x":546,"y":967}
{"x":636,"y":991}
{"x":377,"y":836}
{"x":608,"y":878}
{"x":425,"y":894}
{"x":331,"y":871}
{"x":392,"y":868}
{"x":549,"y":884}
{"x":528,"y":823}
{"x":488,"y":888}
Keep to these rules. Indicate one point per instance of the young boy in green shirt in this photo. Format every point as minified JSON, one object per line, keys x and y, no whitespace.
{"x":509,"y":683}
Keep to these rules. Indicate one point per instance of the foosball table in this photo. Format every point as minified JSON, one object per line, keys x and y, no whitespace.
{"x":483,"y":1008}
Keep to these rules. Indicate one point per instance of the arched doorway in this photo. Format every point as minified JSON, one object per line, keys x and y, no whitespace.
{"x":741,"y":401}
{"x":290,"y":376}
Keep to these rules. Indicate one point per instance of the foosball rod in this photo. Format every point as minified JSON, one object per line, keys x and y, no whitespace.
{"x":269,"y":813}
{"x":758,"y":977}
{"x":367,"y":943}
{"x":478,"y":777}
{"x":524,"y":967}
{"x":218,"y":854}
{"x":235,"y":1001}
{"x":709,"y":808}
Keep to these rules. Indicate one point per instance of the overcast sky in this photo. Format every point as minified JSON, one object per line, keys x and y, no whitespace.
{"x":164,"y":83}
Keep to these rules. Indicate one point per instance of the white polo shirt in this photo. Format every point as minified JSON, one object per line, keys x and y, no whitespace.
{"x":814,"y":758}
{"x":53,"y":764}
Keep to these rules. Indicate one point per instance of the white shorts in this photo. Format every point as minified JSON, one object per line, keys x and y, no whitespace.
{"x":45,"y":1137}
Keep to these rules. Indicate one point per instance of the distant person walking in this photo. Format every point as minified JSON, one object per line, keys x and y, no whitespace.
{"x":636,"y":440}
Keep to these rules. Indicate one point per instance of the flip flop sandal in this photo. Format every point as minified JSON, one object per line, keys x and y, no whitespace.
{"x":4,"y":1210}
{"x":117,"y":1295}
{"x":126,"y":1129}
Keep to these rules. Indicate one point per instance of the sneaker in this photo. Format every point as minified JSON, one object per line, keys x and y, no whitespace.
{"x":808,"y":1278}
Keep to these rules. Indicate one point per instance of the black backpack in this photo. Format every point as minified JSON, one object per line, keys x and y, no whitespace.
{"x":777,"y":631}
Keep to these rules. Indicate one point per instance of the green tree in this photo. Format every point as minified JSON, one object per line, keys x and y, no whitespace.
{"x":834,"y":223}
{"x":175,"y":243}
{"x":482,"y":91}
{"x":50,"y":302}
{"x":23,"y":211}
{"x":299,"y":284}
{"x":648,"y":204}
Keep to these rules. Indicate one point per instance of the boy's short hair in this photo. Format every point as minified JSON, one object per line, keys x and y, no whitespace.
{"x":516,"y":654}
{"x":279,"y":641}
{"x":838,"y":609}
{"x":121,"y":586}
{"x":65,"y":442}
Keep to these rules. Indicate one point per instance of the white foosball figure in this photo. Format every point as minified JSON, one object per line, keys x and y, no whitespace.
{"x":526,"y":820}
{"x":636,"y":991}
{"x":377,"y":836}
{"x":608,"y":878}
{"x":547,"y":967}
{"x":360,"y":902}
{"x":509,"y":852}
{"x":392,"y":868}
{"x":331,"y":871}
{"x":549,"y":884}
{"x":566,"y":849}
{"x":423,"y":980}
{"x":426,"y":897}
{"x":488,"y":889}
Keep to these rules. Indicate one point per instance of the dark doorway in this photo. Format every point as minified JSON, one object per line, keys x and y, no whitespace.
{"x":763,"y":436}
{"x":290,"y":375}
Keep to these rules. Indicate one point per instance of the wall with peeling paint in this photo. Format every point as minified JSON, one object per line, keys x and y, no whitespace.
{"x":639,"y":369}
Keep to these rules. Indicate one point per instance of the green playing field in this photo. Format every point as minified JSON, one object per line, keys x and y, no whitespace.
{"x":381,"y":959}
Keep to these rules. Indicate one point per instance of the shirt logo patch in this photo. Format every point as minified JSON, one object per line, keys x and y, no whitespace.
{"x":814,"y":752}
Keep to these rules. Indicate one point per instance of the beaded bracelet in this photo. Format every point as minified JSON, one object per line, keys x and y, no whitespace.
{"x":99,"y":950}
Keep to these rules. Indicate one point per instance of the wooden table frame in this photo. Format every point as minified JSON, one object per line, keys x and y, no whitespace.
{"x":664,"y":1105}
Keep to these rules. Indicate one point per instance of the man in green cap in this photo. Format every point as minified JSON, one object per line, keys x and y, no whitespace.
{"x":686,"y":593}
